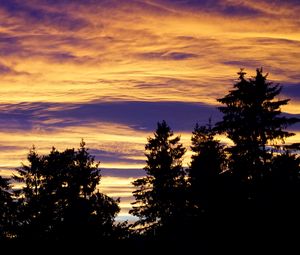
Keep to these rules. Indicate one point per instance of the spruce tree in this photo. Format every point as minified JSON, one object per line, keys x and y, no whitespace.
{"x":29,"y":222}
{"x":253,"y":192}
{"x":207,"y":162}
{"x":159,"y":196}
{"x":252,"y":120}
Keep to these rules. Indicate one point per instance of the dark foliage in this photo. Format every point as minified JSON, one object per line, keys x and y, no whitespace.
{"x":252,"y":120}
{"x":59,"y":199}
{"x":6,"y":210}
{"x":160,"y":201}
{"x":260,"y":188}
{"x":207,"y":164}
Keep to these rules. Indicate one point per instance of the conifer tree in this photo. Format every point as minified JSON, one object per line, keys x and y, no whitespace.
{"x":253,"y":192}
{"x":252,"y":120}
{"x":207,"y":162}
{"x":159,"y":195}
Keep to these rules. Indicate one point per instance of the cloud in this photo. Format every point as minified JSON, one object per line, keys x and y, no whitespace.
{"x":111,"y":157}
{"x":136,"y":114}
{"x":127,"y":172}
{"x":36,"y":14}
{"x":133,"y":57}
{"x":144,"y":115}
{"x":167,"y":55}
{"x":292,"y":91}
{"x":240,"y":10}
{"x":227,"y":8}
{"x":9,"y":45}
{"x":5,"y":69}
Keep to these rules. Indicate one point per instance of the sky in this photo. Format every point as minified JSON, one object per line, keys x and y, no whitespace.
{"x":108,"y":70}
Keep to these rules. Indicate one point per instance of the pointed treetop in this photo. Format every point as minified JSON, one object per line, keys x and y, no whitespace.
{"x":242,"y":74}
{"x":82,"y":144}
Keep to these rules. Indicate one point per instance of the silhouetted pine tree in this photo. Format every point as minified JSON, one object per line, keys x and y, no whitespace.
{"x":160,"y":200}
{"x":252,"y":120}
{"x":29,"y":210}
{"x":59,"y":199}
{"x":208,"y":161}
{"x":6,"y":212}
{"x":205,"y":196}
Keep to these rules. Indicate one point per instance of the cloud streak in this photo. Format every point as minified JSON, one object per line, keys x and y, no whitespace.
{"x":139,"y":115}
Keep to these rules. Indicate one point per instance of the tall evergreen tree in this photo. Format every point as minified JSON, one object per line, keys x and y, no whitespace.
{"x":29,"y":217}
{"x":207,"y":162}
{"x":252,"y":120}
{"x":159,"y":196}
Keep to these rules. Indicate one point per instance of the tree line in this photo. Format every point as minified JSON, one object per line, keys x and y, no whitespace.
{"x":253,"y":184}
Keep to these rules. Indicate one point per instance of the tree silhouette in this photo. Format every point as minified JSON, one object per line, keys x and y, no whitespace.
{"x":205,"y":197}
{"x":30,"y":203}
{"x":6,"y":212}
{"x":207,"y":162}
{"x":252,"y":121}
{"x":279,"y":193}
{"x":59,"y":199}
{"x":159,"y":196}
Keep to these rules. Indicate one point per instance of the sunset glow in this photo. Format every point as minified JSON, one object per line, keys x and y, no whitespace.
{"x":107,"y":71}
